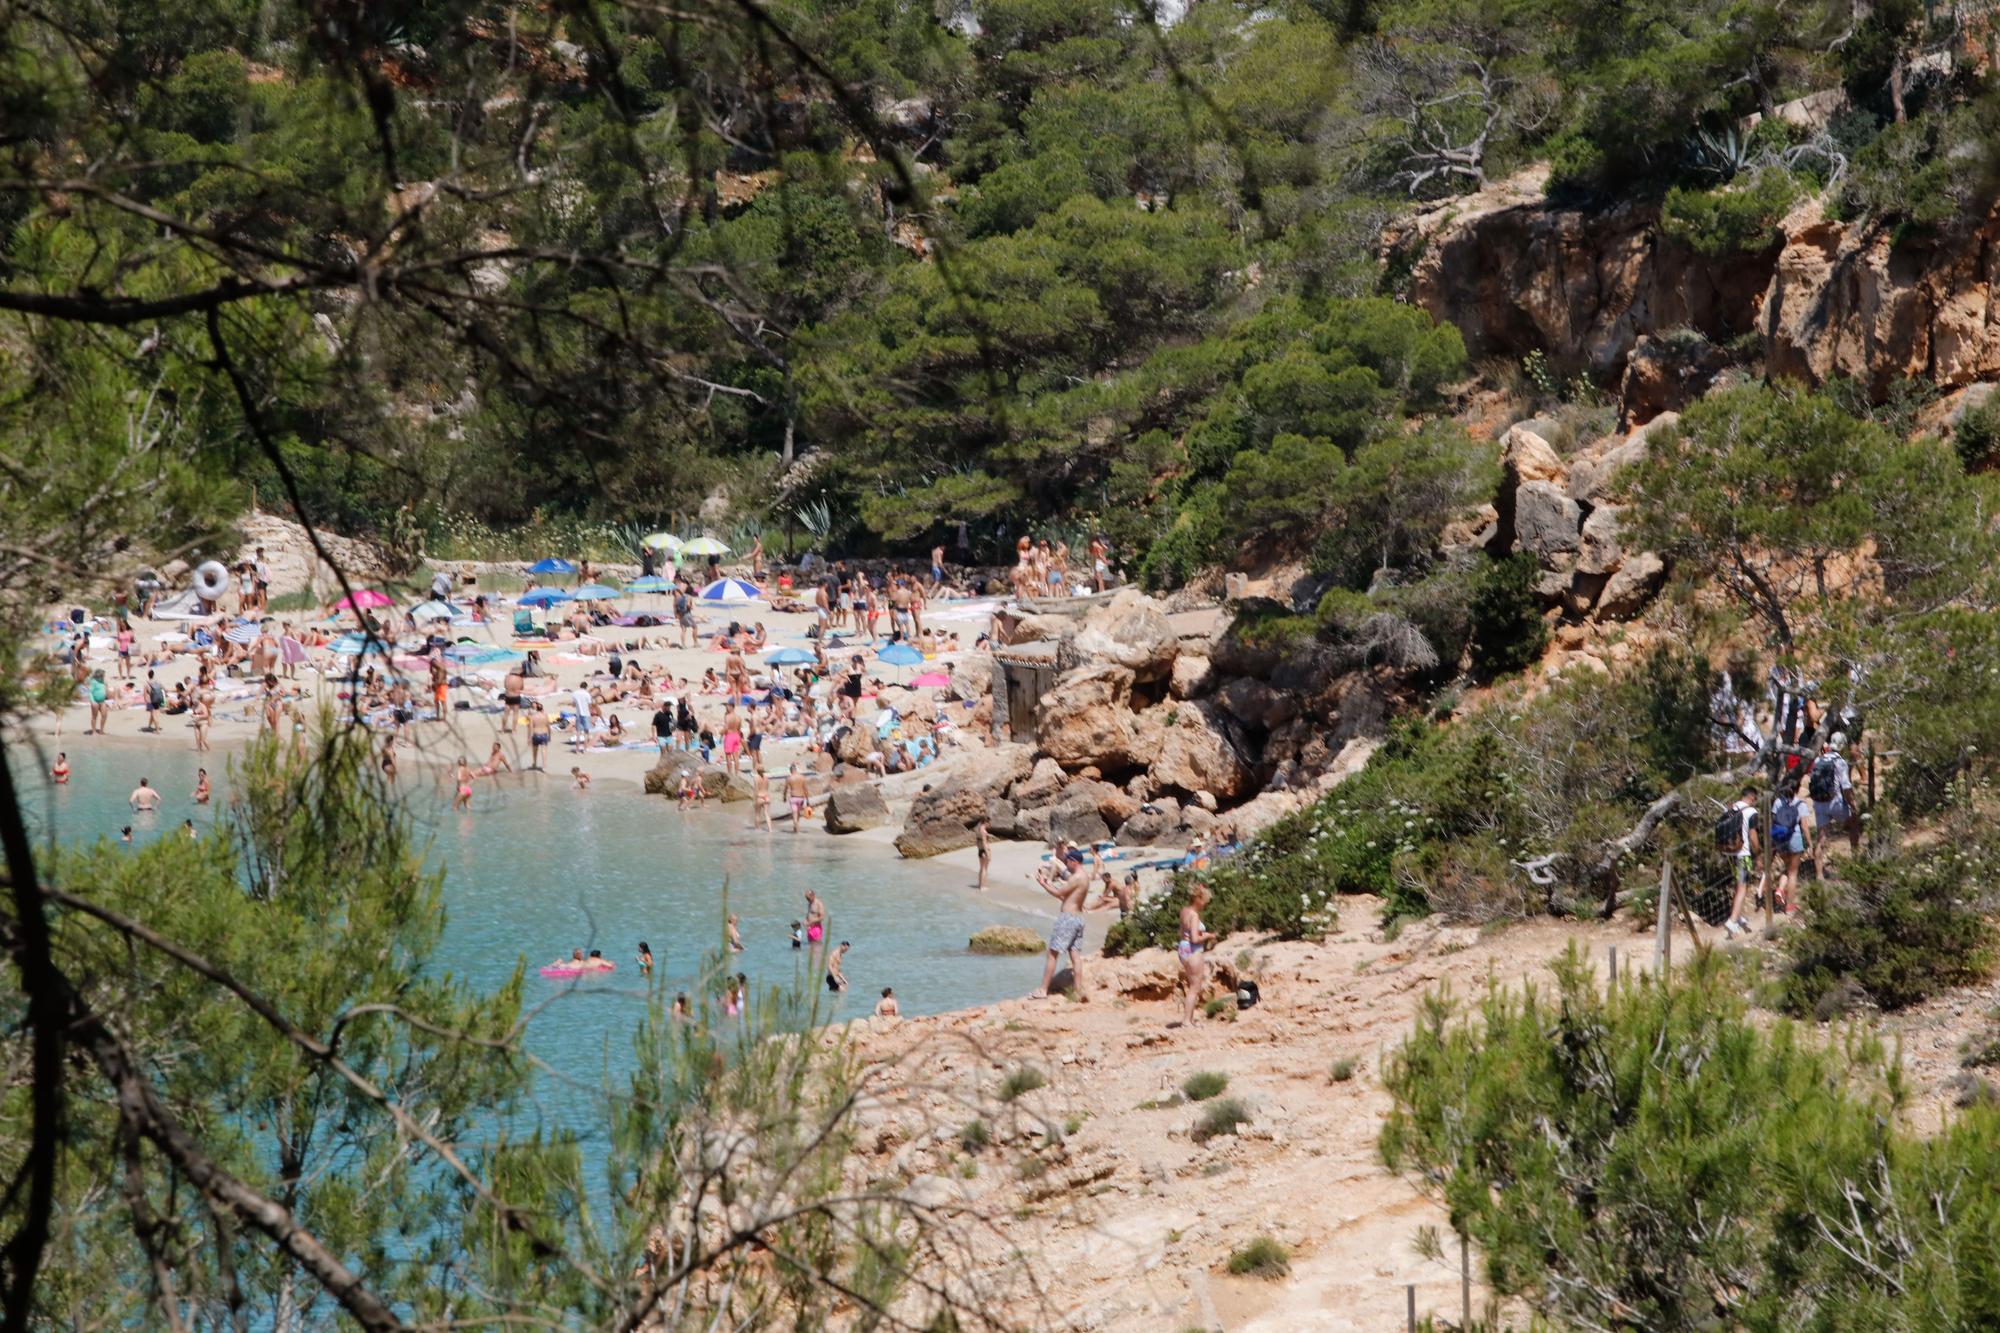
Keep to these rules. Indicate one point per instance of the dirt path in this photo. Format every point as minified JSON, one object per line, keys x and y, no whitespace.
{"x":1128,"y":1221}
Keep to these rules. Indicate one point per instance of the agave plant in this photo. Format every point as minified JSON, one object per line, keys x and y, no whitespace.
{"x":1723,"y":154}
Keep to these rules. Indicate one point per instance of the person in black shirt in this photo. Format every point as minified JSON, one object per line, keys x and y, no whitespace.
{"x":663,"y":723}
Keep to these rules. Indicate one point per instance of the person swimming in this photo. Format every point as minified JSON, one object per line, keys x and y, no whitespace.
{"x":645,"y":958}
{"x":61,"y":770}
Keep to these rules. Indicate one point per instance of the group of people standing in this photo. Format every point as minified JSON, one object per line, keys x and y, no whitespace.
{"x":1823,"y":789}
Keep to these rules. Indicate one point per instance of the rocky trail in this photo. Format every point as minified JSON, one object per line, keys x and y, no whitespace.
{"x":1097,"y":1177}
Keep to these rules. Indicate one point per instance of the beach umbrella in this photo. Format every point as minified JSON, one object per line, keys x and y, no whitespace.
{"x":241,"y":633}
{"x":361,"y":599}
{"x":704,"y":546}
{"x":647,"y":583}
{"x":354,"y":645}
{"x":900,"y":654}
{"x":552,"y":566}
{"x":434,"y":611}
{"x":788,"y":657}
{"x":594,"y":592}
{"x":731,"y":592}
{"x":931,"y":679}
{"x":544,"y":596}
{"x":662,"y":541}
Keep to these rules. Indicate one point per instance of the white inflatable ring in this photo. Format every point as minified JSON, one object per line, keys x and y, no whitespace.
{"x":211,"y":580}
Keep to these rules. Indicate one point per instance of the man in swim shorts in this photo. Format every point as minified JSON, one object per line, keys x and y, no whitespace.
{"x":795,"y":794}
{"x":1069,"y":889}
{"x":836,"y":980}
{"x":815,"y":918}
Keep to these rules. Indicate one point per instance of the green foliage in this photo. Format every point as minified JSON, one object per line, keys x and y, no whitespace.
{"x":1507,"y":632}
{"x":1935,"y":169}
{"x":1342,"y":1070}
{"x":974,"y":1136}
{"x":1641,"y":1159}
{"x":1261,"y":1257}
{"x":1223,"y":1117}
{"x":1022,"y":1081}
{"x":1730,"y":219}
{"x":1199,"y":1087}
{"x":311,"y":893}
{"x":1903,"y":928}
{"x":1977,"y":434}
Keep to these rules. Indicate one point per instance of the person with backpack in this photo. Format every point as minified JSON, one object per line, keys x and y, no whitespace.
{"x":1736,"y":836}
{"x":156,"y":699}
{"x":1789,"y":840}
{"x":1830,"y":784}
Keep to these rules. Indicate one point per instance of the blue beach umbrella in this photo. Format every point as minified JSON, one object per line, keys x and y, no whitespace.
{"x":900,"y":654}
{"x":788,"y":657}
{"x":435,"y":611}
{"x":545,"y":596}
{"x":354,"y":645}
{"x":594,"y":592}
{"x":552,"y":566}
{"x":729,"y":592}
{"x":648,"y":583}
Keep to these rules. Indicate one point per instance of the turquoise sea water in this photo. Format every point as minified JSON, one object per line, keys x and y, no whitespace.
{"x":537,"y":869}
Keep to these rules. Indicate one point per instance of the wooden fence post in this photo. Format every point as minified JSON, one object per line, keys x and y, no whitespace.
{"x":1663,"y":943}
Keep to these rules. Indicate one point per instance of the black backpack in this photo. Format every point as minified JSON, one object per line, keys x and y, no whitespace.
{"x":155,"y":696}
{"x":1824,"y":784}
{"x":1729,"y":831}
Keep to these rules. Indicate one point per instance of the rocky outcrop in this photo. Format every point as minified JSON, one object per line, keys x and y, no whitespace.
{"x":1516,"y":274}
{"x":854,"y":808}
{"x":1130,"y":631}
{"x":948,"y":810}
{"x":1192,"y":677}
{"x":665,"y":775}
{"x":1665,"y":374}
{"x":1087,"y":718}
{"x":1546,"y":520}
{"x":1604,"y":292}
{"x":941,"y":820}
{"x":1004,"y":940}
{"x":1200,"y":751}
{"x":296,"y":567}
{"x":1565,"y":515}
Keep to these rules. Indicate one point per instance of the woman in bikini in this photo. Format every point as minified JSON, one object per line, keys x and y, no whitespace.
{"x":463,"y":776}
{"x":645,"y":959}
{"x":1193,"y":950}
{"x":202,"y":790}
{"x":202,"y":713}
{"x":61,"y":770}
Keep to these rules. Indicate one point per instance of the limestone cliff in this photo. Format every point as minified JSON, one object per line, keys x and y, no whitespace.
{"x":1590,"y":287}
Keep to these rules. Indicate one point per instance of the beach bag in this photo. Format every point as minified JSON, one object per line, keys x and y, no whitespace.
{"x":1247,"y":994}
{"x":1824,"y":784}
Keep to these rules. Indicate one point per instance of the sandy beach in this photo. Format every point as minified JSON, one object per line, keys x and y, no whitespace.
{"x":427,"y":750}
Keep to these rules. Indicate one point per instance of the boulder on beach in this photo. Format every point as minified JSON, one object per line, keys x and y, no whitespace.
{"x":945,"y":814}
{"x":664,"y":777}
{"x":850,"y":809}
{"x":1004,"y":940}
{"x":941,"y":820}
{"x":1132,"y":631}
